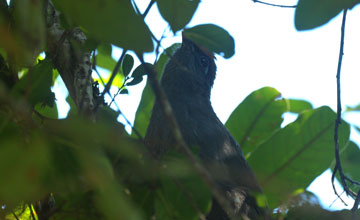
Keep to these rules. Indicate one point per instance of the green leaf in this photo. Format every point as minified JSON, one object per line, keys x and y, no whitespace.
{"x":105,"y":61}
{"x":47,"y":111}
{"x":310,"y":14}
{"x":356,"y":128}
{"x":257,"y":118}
{"x":175,"y":201}
{"x":135,"y":81}
{"x":298,"y":106}
{"x":105,"y":49}
{"x":182,"y":191}
{"x":36,"y":83}
{"x":90,"y":45}
{"x":213,"y":38}
{"x":295,"y":155}
{"x":350,"y":109}
{"x":143,"y":113}
{"x":111,"y":21}
{"x":124,"y":91}
{"x":141,"y":70}
{"x":73,"y":109}
{"x":23,"y":166}
{"x":350,"y":161}
{"x":127,"y":64}
{"x":177,"y":12}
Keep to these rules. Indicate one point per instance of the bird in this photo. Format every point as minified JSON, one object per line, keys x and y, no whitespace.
{"x":187,"y":80}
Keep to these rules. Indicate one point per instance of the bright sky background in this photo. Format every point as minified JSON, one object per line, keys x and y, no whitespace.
{"x":270,"y":52}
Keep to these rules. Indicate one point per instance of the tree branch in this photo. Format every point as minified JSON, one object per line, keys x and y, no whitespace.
{"x":275,"y":5}
{"x":74,"y":66}
{"x":338,"y":168}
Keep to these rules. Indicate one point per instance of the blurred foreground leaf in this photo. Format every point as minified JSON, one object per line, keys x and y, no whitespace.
{"x":98,"y":16}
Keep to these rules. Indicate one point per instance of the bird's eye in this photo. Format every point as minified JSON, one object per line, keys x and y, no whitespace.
{"x":204,"y":61}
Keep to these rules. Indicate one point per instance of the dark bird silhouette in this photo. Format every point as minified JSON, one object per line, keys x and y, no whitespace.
{"x":187,"y":81}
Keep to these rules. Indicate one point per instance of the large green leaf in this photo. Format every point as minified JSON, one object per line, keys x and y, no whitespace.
{"x":143,"y":112}
{"x":111,"y":21}
{"x":177,"y":12}
{"x":257,"y":118}
{"x":297,"y":154}
{"x":24,"y":160}
{"x":310,"y":14}
{"x":214,"y":38}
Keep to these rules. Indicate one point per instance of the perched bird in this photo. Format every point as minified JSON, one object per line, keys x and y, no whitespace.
{"x":187,"y":81}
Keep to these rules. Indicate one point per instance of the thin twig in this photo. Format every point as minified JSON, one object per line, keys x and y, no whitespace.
{"x":275,"y":5}
{"x":166,"y":107}
{"x":338,"y":167}
{"x":148,"y":9}
{"x":113,"y":74}
{"x":338,"y":118}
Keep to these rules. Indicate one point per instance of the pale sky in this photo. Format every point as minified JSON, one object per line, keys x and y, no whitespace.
{"x":271,"y":52}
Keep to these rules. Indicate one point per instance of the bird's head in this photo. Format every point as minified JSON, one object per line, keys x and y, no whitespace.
{"x":192,"y":67}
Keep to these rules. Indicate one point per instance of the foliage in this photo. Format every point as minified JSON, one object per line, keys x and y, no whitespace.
{"x":314,"y":13}
{"x":91,"y":168}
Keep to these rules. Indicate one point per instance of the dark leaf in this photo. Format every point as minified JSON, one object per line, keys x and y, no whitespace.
{"x":213,"y":38}
{"x":127,"y":64}
{"x":124,"y":91}
{"x":141,"y":70}
{"x":310,"y":14}
{"x":177,"y":12}
{"x":135,"y":81}
{"x":112,"y":21}
{"x":295,"y":155}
